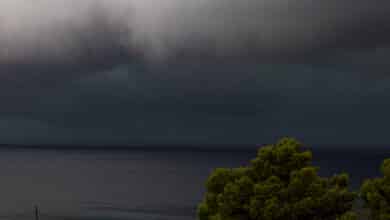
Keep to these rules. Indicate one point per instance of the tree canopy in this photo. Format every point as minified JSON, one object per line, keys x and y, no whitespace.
{"x":280,"y":183}
{"x":376,"y":194}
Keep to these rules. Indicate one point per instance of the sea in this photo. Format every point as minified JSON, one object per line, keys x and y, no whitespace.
{"x":137,"y":184}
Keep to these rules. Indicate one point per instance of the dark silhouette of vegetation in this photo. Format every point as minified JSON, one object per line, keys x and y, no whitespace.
{"x":376,"y":194}
{"x":278,"y":184}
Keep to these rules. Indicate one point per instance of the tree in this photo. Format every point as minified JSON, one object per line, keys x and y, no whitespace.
{"x":278,"y":184}
{"x":376,"y":194}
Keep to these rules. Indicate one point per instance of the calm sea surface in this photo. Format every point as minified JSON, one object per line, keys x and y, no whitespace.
{"x":134,"y":185}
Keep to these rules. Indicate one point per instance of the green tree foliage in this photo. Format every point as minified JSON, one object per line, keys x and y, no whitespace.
{"x":279,"y":183}
{"x":376,"y":193}
{"x":348,"y":216}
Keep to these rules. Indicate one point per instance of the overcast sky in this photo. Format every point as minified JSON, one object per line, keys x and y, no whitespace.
{"x":118,"y":72}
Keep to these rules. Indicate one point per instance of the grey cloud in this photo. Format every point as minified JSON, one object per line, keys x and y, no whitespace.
{"x":81,"y":33}
{"x":198,"y":71}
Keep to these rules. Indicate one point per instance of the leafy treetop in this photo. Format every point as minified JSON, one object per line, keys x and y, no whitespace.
{"x":278,"y":184}
{"x":376,"y":193}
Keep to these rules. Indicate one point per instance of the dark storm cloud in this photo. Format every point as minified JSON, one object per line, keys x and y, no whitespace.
{"x":282,"y":31}
{"x":70,"y":33}
{"x":37,"y":48}
{"x":87,"y":71}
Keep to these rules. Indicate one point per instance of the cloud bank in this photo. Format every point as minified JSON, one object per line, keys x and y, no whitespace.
{"x":74,"y":32}
{"x":243,"y":71}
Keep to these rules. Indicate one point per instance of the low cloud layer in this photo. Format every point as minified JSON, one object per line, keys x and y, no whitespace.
{"x":73,"y":32}
{"x":206,"y":71}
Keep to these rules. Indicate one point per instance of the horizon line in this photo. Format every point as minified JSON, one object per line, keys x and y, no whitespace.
{"x":178,"y":147}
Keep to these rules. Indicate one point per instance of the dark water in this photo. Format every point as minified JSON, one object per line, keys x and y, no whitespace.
{"x":134,"y":185}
